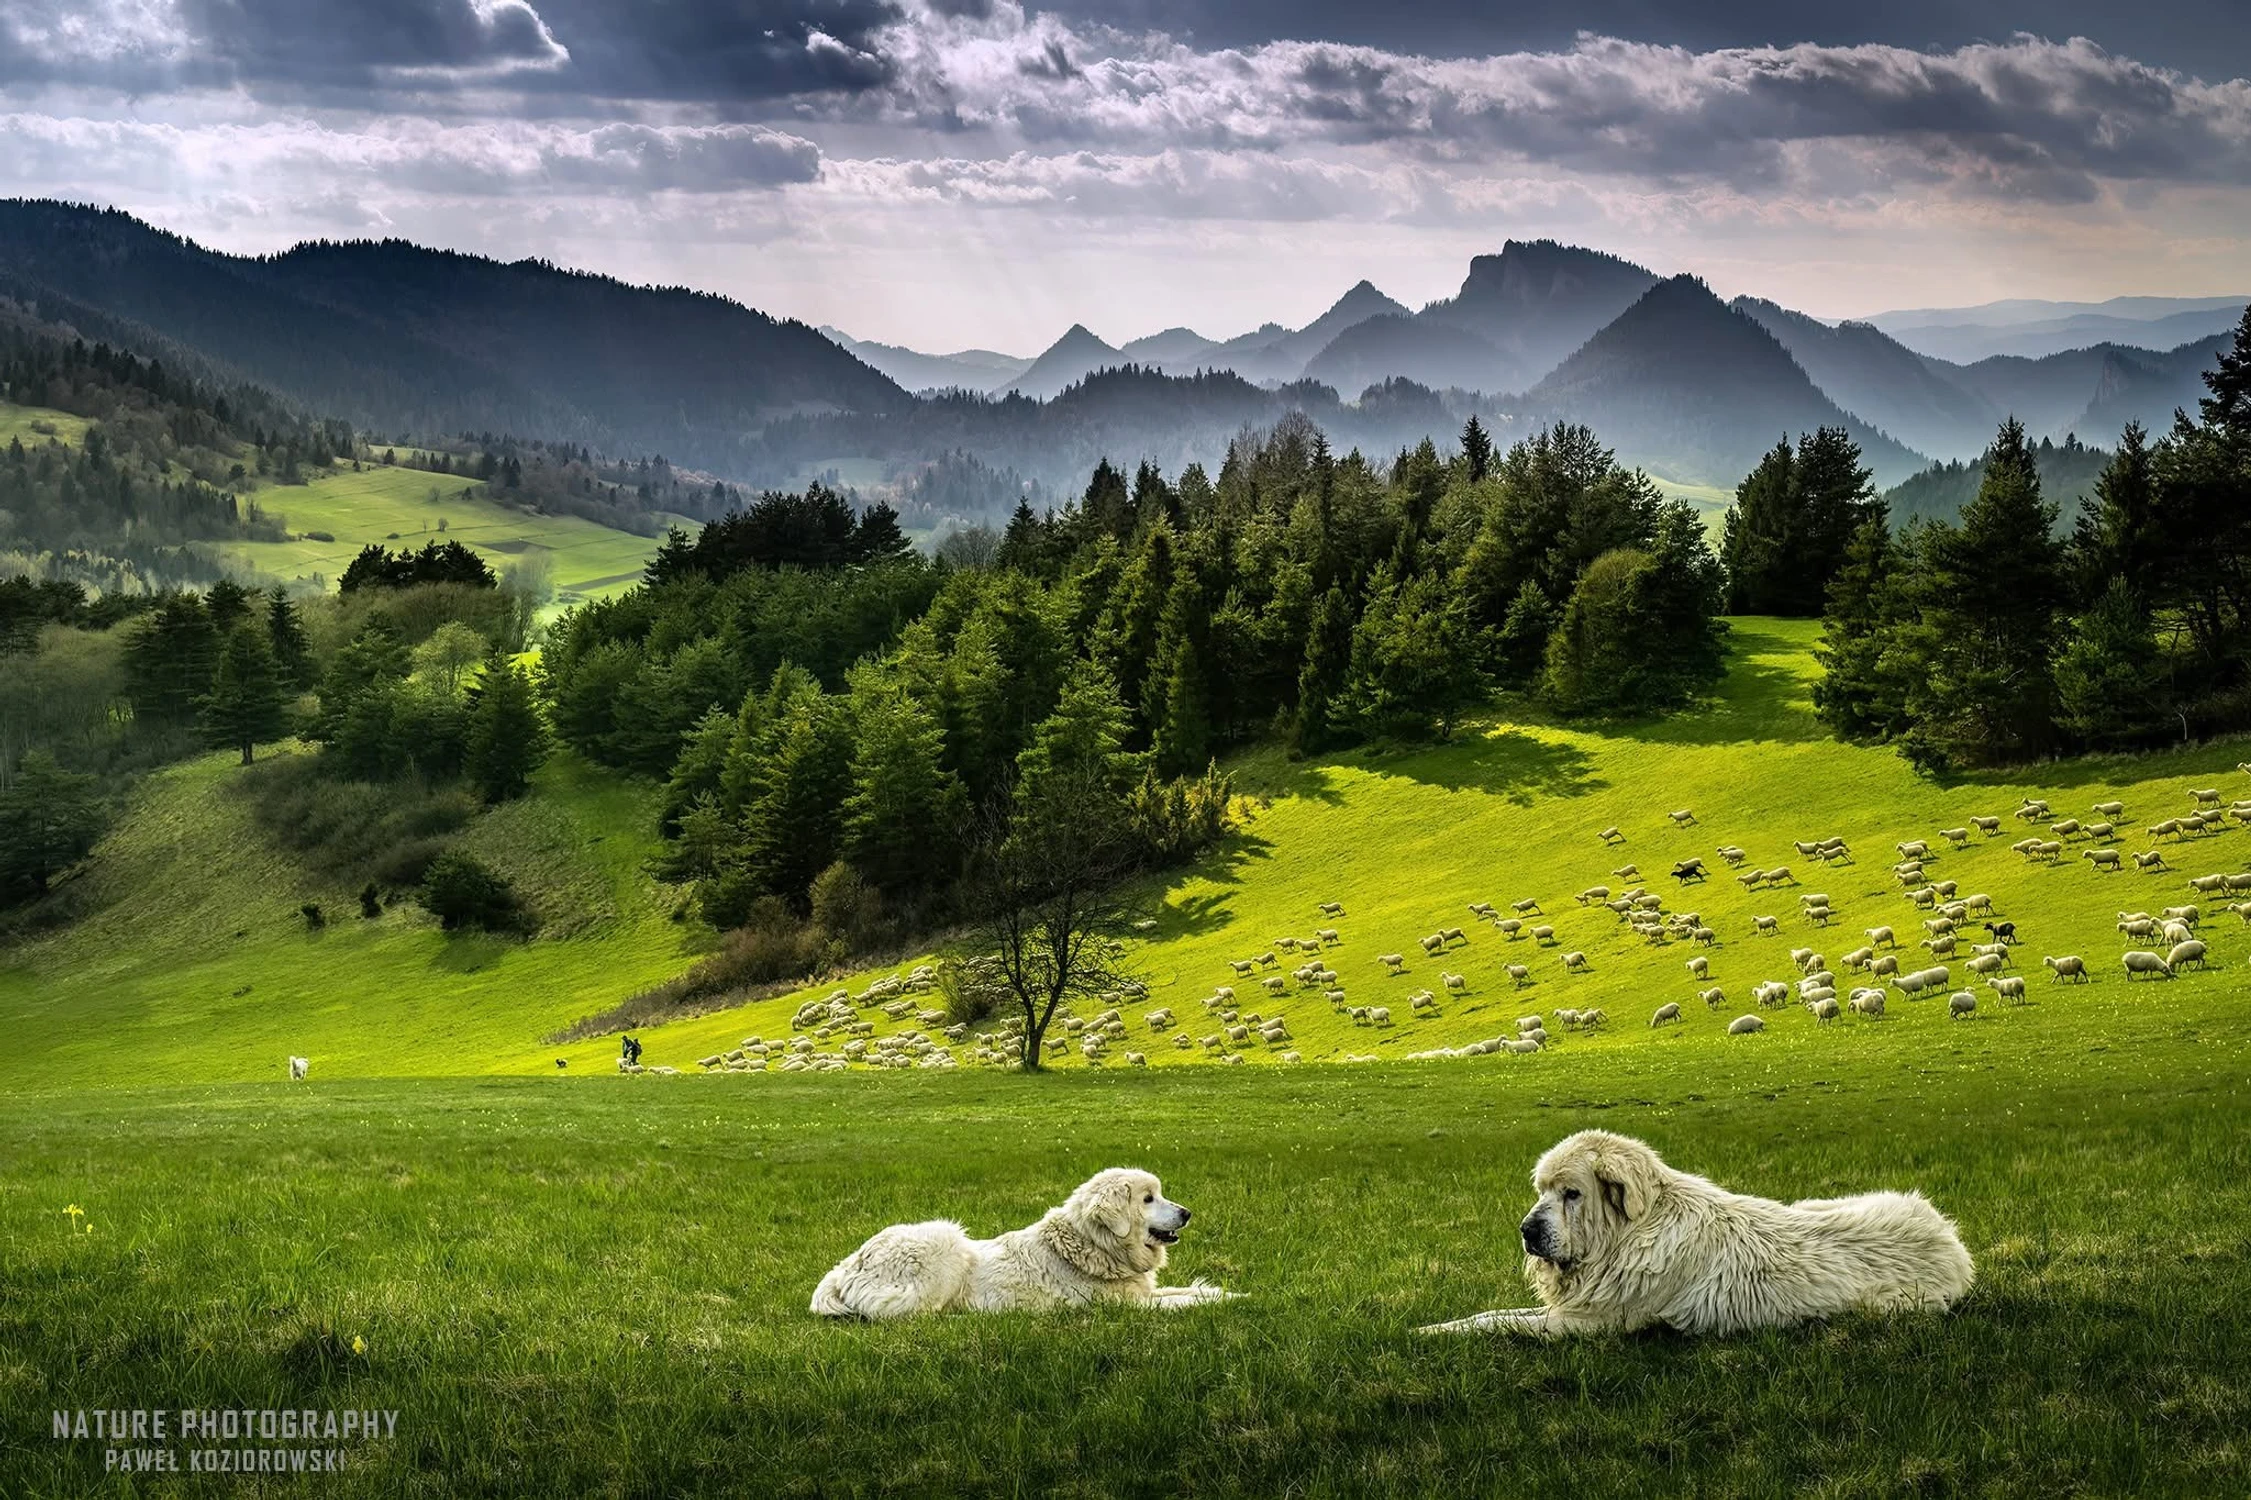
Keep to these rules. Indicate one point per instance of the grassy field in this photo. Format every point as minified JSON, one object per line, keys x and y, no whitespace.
{"x":573,"y":1284}
{"x":598,"y":1288}
{"x":402,"y":507}
{"x":35,"y":426}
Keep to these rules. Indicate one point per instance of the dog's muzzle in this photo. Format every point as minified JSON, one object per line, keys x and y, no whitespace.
{"x":1536,"y":1241}
{"x":1171,"y":1236}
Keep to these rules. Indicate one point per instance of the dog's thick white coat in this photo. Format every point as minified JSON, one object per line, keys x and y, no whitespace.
{"x":1105,"y":1243}
{"x":1620,"y":1241}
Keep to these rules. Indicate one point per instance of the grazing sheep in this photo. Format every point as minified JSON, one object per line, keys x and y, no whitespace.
{"x":1627,"y":872}
{"x":2068,"y":966}
{"x":2033,"y":810}
{"x":1435,"y":943}
{"x":1816,"y":997}
{"x":2111,"y":809}
{"x":1750,"y":879}
{"x":1612,"y":835}
{"x":1825,"y":1009}
{"x":1242,"y":967}
{"x":1764,"y":924}
{"x":2176,"y":932}
{"x":1395,"y":962}
{"x":1454,"y":981}
{"x":1528,"y":1023}
{"x":1700,"y":968}
{"x":1991,"y":950}
{"x":1979,"y":902}
{"x":1328,"y":935}
{"x":1986,"y":964}
{"x":1745,"y":1025}
{"x":1814,"y":963}
{"x":1519,"y":973}
{"x":1334,"y":997}
{"x":1883,"y":935}
{"x":2138,"y":962}
{"x":1704,"y":935}
{"x":1987,"y":826}
{"x":2102,"y":859}
{"x":1423,"y":1001}
{"x":1713,"y":997}
{"x":2189,"y":951}
{"x":1592,"y":893}
{"x":1510,"y":927}
{"x":1859,"y":958}
{"x":1575,"y":962}
{"x":1731,"y":854}
{"x":1543,"y":934}
{"x":1780,"y":876}
{"x":1869,"y":1003}
{"x":1940,"y":947}
{"x":299,"y":1067}
{"x":1683,"y":817}
{"x":2138,"y":927}
{"x":1380,"y":1014}
{"x":2100,"y":830}
{"x":1670,"y":1011}
{"x":1332,"y":908}
{"x":2005,"y":932}
{"x":1267,"y":958}
{"x":2236,"y":882}
{"x":1688,"y":869}
{"x":1960,"y":1004}
{"x":2186,"y":914}
{"x":1799,"y":956}
{"x":1453,"y":935}
{"x":1814,"y":898}
{"x":1919,"y":981}
{"x":2206,"y":797}
{"x":1925,"y":898}
{"x":2009,"y":987}
{"x":2064,"y":828}
{"x":1276,"y":984}
{"x":1524,"y":908}
{"x":1223,"y":992}
{"x":1938,"y":926}
{"x":1955,"y":836}
{"x":1914,"y":849}
{"x":1773,"y":992}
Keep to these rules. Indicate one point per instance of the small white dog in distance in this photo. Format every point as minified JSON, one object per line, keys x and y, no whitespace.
{"x":1620,"y":1241}
{"x":1105,"y":1243}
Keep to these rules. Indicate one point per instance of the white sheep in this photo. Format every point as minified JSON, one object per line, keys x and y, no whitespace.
{"x":1543,"y":934}
{"x":1328,"y":935}
{"x":1700,"y":968}
{"x":1987,"y":826}
{"x":1986,"y":964}
{"x":1772,"y":992}
{"x":1825,"y":1009}
{"x":1454,"y":981}
{"x":1869,"y":1003}
{"x":1612,"y":835}
{"x":1525,"y":907}
{"x":1669,"y":1011}
{"x":1960,"y":1004}
{"x":1765,"y":925}
{"x":1883,"y":935}
{"x":2176,"y":932}
{"x":1746,"y":1025}
{"x":1956,"y":836}
{"x":2206,"y":797}
{"x":1575,"y":962}
{"x":2187,"y":951}
{"x":299,"y":1067}
{"x":1712,"y":997}
{"x":1519,"y":973}
{"x":1332,"y":908}
{"x":2138,"y":962}
{"x":1395,"y":962}
{"x":1380,"y":1014}
{"x":1509,"y":927}
{"x":2102,"y":859}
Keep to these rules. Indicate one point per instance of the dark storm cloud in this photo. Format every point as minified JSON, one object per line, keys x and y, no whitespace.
{"x":723,"y":51}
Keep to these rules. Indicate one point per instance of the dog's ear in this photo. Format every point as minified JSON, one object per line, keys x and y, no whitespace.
{"x":1109,"y":1203}
{"x":1628,"y":1177}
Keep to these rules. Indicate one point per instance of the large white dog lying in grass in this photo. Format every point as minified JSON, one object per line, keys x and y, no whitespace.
{"x":1619,"y":1241}
{"x":1106,"y":1243}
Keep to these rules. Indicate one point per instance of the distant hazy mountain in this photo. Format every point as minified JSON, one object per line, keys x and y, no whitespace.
{"x":1881,"y":381}
{"x":967,"y":369}
{"x":2033,"y":329}
{"x":1694,"y":390}
{"x":1404,"y":348}
{"x":2067,"y":470}
{"x":1179,"y":351}
{"x":1064,"y":363}
{"x":2095,"y":392}
{"x":1537,"y":302}
{"x":398,"y":338}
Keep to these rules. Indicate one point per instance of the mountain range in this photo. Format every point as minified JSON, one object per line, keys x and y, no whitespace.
{"x":2032,"y":329}
{"x":402,"y":340}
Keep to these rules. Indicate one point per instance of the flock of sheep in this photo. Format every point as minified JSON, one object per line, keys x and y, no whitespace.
{"x":836,"y":1032}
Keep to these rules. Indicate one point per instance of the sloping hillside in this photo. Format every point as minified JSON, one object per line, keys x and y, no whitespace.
{"x":1881,"y":381}
{"x":399,"y":338}
{"x":199,"y":967}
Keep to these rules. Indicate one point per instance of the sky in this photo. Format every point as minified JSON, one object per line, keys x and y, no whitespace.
{"x":984,"y":173}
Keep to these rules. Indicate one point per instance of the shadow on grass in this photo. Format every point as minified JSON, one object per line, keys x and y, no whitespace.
{"x":1763,"y":698}
{"x":468,"y":952}
{"x":1501,"y":762}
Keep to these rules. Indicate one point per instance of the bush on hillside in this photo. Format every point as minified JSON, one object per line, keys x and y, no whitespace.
{"x":463,"y":892}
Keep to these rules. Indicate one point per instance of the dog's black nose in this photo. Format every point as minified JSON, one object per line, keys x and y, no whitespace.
{"x":1534,"y":1232}
{"x":1185,"y":1216}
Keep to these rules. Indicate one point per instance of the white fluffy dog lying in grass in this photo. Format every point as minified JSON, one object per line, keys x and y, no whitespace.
{"x":1106,"y":1243}
{"x":1619,"y":1241}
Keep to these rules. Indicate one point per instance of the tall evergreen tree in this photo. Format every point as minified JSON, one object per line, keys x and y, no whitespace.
{"x":1755,"y":537}
{"x":1862,"y":694}
{"x":293,"y":655}
{"x":170,"y":659}
{"x":903,"y":815}
{"x":1328,"y":664}
{"x":1085,"y":735}
{"x":50,"y":819}
{"x":2110,"y":686}
{"x":1477,"y":449}
{"x":507,"y":738}
{"x":2117,"y":536}
{"x":1993,"y":589}
{"x":245,"y":704}
{"x":1176,"y":698}
{"x":794,"y":826}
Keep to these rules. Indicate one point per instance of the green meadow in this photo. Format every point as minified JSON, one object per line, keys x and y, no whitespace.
{"x":36,"y":425}
{"x":572,"y":1282}
{"x":404,"y":507}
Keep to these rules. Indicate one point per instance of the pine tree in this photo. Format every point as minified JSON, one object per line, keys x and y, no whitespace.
{"x":2109,"y":682}
{"x":246,"y":703}
{"x":2117,"y":535}
{"x":1176,"y":698}
{"x":1125,"y":641}
{"x":228,"y":605}
{"x":903,"y":816}
{"x":1328,"y":663}
{"x":293,"y":656}
{"x":1084,"y":737}
{"x":49,"y":820}
{"x":169,"y":661}
{"x":1990,"y":600}
{"x":2228,"y":408}
{"x":876,"y":538}
{"x":1859,"y":696}
{"x":1755,"y":536}
{"x":1477,"y":449}
{"x":507,"y":738}
{"x":793,"y":827}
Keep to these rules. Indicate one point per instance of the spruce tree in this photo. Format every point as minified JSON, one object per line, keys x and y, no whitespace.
{"x":1321,"y":681}
{"x":2109,"y":682}
{"x":1754,"y":538}
{"x":1084,"y":737}
{"x":170,"y":659}
{"x":50,"y":819}
{"x":1477,"y":449}
{"x":246,"y":702}
{"x":2118,"y":536}
{"x":903,"y":815}
{"x":293,"y":656}
{"x":1176,"y":698}
{"x":507,"y":738}
{"x":1859,"y":696}
{"x":793,"y":826}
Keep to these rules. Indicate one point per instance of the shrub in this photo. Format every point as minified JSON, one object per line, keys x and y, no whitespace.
{"x":843,"y":902}
{"x":461,"y":891}
{"x":371,"y":901}
{"x":315,"y":918}
{"x":973,"y":988}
